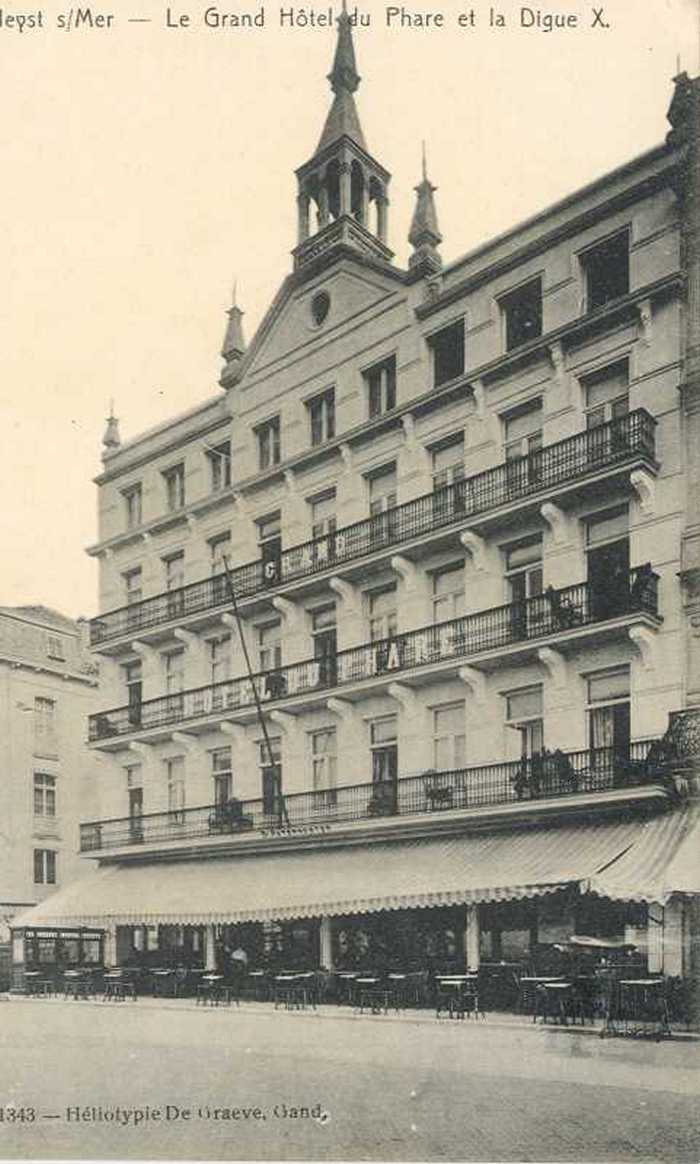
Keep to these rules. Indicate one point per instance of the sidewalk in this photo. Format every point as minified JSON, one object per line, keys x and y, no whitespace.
{"x":422,"y":1017}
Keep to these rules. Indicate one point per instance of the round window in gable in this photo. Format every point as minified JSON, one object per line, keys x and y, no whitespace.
{"x":320,"y":306}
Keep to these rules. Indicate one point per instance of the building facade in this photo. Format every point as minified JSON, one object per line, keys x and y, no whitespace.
{"x":48,"y":685}
{"x":459,"y":504}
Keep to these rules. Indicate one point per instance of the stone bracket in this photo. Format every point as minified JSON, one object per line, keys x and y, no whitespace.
{"x":556,"y":356}
{"x":185,"y":738}
{"x":475,"y":545}
{"x":140,"y":748}
{"x":142,"y":650}
{"x":479,"y":394}
{"x":558,"y":521}
{"x":646,"y":315}
{"x":404,"y":695}
{"x":236,"y":731}
{"x":342,"y":707}
{"x":285,"y":720}
{"x":192,"y":641}
{"x":347,"y":593}
{"x":404,"y":568}
{"x":290,"y":480}
{"x":644,"y":485}
{"x":474,"y":679}
{"x":555,"y":664}
{"x":346,"y":455}
{"x":644,"y":640}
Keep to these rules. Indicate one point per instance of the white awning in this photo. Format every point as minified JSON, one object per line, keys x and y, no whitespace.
{"x":338,"y":881}
{"x":664,"y":859}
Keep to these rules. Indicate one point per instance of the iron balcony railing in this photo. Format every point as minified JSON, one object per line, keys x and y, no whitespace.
{"x":565,"y":461}
{"x":534,"y":618}
{"x":551,"y":774}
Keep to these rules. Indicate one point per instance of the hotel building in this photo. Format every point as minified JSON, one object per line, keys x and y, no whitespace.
{"x":460,"y":503}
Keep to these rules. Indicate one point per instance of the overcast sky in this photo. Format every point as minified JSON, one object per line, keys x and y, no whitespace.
{"x":145,"y":168}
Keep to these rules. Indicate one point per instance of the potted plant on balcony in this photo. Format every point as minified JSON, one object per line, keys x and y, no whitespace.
{"x":438,"y":795}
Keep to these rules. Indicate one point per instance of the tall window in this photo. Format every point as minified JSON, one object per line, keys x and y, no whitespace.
{"x":448,"y":593}
{"x":134,"y":690}
{"x":323,"y":518}
{"x":523,"y":563}
{"x":219,"y":459}
{"x":447,"y":348}
{"x":271,"y":775}
{"x":609,"y":711}
{"x":221,"y":775}
{"x":381,"y":387}
{"x":219,"y":658}
{"x":44,"y":867}
{"x":219,"y":547}
{"x":267,"y":436}
{"x":133,"y":505}
{"x":448,"y":462}
{"x":270,"y":542}
{"x":382,"y":490}
{"x":521,"y":310}
{"x":175,"y":775}
{"x":608,"y":563}
{"x":133,"y":590}
{"x":524,"y":716}
{"x":324,"y":762}
{"x":322,"y":417}
{"x":55,"y":647}
{"x":45,"y":735}
{"x":174,"y":570}
{"x":606,"y":270}
{"x":174,"y":664}
{"x":174,"y":481}
{"x":270,"y":646}
{"x":385,"y":761}
{"x":323,"y":631}
{"x":44,"y":794}
{"x":382,"y":613}
{"x":607,"y":394}
{"x":522,"y":430}
{"x":134,"y":788}
{"x":449,"y":737}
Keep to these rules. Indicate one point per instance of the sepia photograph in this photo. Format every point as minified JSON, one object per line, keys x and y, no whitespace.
{"x":350,"y":598}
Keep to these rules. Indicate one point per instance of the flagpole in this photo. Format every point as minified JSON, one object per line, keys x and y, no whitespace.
{"x":282,"y":810}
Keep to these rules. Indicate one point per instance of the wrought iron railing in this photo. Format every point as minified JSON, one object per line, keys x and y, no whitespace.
{"x":552,"y":774}
{"x":546,"y":614}
{"x":567,"y":460}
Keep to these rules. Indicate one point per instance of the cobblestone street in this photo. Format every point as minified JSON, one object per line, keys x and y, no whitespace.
{"x":374,"y":1087}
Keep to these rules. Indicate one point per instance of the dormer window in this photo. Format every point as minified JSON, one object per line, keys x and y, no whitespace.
{"x":521,"y":311}
{"x":219,"y":458}
{"x":381,"y":387}
{"x":174,"y":481}
{"x":268,"y":438}
{"x":606,"y":270}
{"x":447,"y":347}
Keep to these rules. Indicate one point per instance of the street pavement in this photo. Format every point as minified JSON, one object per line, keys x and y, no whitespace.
{"x":169,"y":1080}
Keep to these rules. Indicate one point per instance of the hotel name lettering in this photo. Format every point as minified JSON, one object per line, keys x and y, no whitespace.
{"x":399,"y":18}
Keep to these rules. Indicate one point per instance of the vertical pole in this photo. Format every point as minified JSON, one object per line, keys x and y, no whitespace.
{"x":209,"y":948}
{"x":471,"y":937}
{"x":326,"y":943}
{"x":110,"y":948}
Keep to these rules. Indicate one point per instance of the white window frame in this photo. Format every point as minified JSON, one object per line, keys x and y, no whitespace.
{"x":269,"y":443}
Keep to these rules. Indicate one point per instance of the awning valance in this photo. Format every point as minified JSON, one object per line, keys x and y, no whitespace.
{"x":335,"y":881}
{"x":664,"y":859}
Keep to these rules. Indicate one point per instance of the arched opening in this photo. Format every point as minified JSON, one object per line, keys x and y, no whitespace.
{"x":332,"y":184}
{"x":358,"y":187}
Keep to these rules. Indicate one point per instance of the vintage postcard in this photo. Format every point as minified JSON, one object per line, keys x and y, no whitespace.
{"x":350,"y":601}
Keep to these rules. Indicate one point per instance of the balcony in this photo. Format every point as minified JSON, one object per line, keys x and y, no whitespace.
{"x":518,"y":787}
{"x":568,"y":462}
{"x":488,"y":635}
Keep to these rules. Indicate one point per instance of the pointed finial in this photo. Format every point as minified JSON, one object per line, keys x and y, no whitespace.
{"x":344,"y":76}
{"x":234,"y":343}
{"x":424,"y":235}
{"x":111,"y":438}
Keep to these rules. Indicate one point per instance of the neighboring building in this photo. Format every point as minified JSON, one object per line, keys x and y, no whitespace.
{"x":48,"y":685}
{"x":461,"y":508}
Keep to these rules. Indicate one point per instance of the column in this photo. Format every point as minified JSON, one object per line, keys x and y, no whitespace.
{"x":382,"y":204}
{"x":303,"y":217}
{"x":345,"y":189}
{"x":110,"y":946}
{"x":472,"y":935}
{"x":322,"y":206}
{"x":209,"y":948}
{"x":326,"y":942}
{"x":673,"y":939}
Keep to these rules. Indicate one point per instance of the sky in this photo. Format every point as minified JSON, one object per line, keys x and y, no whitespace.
{"x":146,"y":167}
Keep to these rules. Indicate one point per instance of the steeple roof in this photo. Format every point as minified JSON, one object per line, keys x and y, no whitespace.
{"x":424,"y":235}
{"x":343,"y":118}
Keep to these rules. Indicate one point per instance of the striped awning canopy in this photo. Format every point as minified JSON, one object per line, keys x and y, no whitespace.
{"x":664,"y":859}
{"x":328,"y":881}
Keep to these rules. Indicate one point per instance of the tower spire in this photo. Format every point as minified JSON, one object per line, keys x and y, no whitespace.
{"x":343,"y":119}
{"x":424,"y":235}
{"x":111,"y":439}
{"x":234,"y":342}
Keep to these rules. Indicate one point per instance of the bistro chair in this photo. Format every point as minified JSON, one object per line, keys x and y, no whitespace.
{"x":375,"y":995}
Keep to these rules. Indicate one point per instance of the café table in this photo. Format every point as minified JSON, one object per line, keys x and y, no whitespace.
{"x":36,"y":985}
{"x":371,"y":994}
{"x":528,"y":986}
{"x":556,"y":1001}
{"x":643,"y":1007}
{"x":457,"y":995}
{"x":77,"y":984}
{"x":117,"y":985}
{"x":294,"y":990}
{"x":347,"y":980}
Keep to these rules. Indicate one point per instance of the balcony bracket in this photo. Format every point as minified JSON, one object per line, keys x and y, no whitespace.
{"x":645,"y":313}
{"x":185,"y":738}
{"x":140,"y":749}
{"x":143,"y":650}
{"x":403,"y":695}
{"x":479,"y":394}
{"x":346,"y":455}
{"x":241,"y":504}
{"x":348,"y":594}
{"x":191,"y":641}
{"x":290,"y":480}
{"x":409,"y":429}
{"x":236,"y":731}
{"x":644,"y":640}
{"x":288,"y":609}
{"x":557,"y":520}
{"x":476,"y":680}
{"x":146,"y":538}
{"x":644,"y":486}
{"x":342,"y":707}
{"x":191,"y":522}
{"x":555,"y":664}
{"x":404,"y":568}
{"x":285,"y":720}
{"x":558,"y":362}
{"x":475,"y":545}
